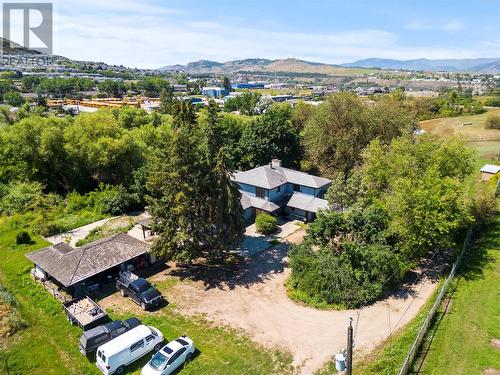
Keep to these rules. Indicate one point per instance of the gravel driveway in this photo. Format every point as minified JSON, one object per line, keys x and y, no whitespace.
{"x":253,"y":298}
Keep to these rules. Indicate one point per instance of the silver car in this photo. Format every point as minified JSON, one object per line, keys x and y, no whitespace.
{"x":170,"y":357}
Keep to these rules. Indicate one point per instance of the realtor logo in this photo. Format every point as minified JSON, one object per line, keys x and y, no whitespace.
{"x":29,"y":25}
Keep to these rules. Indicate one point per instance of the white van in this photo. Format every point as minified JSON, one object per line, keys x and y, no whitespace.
{"x":113,"y":356}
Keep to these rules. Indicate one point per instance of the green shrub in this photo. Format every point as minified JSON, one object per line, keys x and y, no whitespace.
{"x":350,"y":278}
{"x":14,"y":99}
{"x":23,"y":237}
{"x":492,"y":121}
{"x":266,"y":224}
{"x":7,"y":297}
{"x":484,"y":206}
{"x":112,"y":200}
{"x":76,"y":202}
{"x":20,"y":197}
{"x":493,"y":102}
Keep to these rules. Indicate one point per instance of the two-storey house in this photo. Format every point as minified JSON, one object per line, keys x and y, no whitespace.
{"x":278,"y":190}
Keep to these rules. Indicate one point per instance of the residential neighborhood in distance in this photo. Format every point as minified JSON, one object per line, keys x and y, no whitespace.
{"x":306,"y":188}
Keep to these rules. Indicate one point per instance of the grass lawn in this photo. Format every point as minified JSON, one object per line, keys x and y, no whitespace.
{"x":459,"y":341}
{"x":49,"y":344}
{"x":448,"y":126}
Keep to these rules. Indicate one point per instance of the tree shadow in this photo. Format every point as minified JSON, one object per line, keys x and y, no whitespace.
{"x":476,"y":260}
{"x":430,"y":267}
{"x":109,"y":288}
{"x":247,"y":271}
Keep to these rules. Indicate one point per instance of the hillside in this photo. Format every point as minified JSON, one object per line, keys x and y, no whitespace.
{"x":480,"y":65}
{"x":289,"y":65}
{"x":9,"y":47}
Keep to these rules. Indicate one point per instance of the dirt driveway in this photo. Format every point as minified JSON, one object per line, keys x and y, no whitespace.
{"x":253,"y":298}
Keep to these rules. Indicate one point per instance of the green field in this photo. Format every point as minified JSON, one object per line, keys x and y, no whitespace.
{"x":49,"y":344}
{"x":460,"y":339}
{"x":470,"y":128}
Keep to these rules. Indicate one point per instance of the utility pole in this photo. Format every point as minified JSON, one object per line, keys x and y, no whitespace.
{"x":349,"y":348}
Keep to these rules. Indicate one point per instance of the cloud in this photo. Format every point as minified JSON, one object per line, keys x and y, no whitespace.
{"x":449,"y":26}
{"x":151,"y":35}
{"x":453,"y":26}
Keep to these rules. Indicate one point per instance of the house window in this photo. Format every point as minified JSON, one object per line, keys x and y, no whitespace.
{"x":260,"y":192}
{"x":296,"y":187}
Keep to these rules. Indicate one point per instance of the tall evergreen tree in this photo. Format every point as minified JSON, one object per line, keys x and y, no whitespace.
{"x":167,"y":101}
{"x":195,"y":206}
{"x":227,"y":84}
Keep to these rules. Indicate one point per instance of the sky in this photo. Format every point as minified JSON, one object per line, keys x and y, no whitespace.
{"x":157,"y":33}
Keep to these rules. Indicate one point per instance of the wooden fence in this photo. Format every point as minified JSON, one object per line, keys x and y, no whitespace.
{"x":410,"y":357}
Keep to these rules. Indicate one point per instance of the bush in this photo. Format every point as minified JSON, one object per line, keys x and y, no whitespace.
{"x":23,"y":237}
{"x":7,"y":297}
{"x":484,"y":206}
{"x":14,"y":99}
{"x":20,"y":197}
{"x":493,"y":102}
{"x":352,"y":278}
{"x":493,"y":121}
{"x":266,"y":224}
{"x":112,"y":200}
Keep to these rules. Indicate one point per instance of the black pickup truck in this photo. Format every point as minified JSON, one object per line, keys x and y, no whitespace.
{"x":139,"y":290}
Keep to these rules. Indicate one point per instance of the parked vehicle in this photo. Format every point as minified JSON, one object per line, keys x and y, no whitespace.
{"x":85,"y":313}
{"x":170,"y":357}
{"x":92,"y":339}
{"x":139,"y":290}
{"x":113,"y":356}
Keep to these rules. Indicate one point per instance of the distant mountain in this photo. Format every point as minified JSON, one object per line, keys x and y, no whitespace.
{"x":491,"y":67}
{"x":9,"y":47}
{"x":480,"y":65}
{"x":263,"y":65}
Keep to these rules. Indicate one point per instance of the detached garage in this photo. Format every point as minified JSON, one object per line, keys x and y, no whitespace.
{"x":77,"y":270}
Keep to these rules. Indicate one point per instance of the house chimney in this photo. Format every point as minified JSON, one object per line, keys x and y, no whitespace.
{"x":275,"y":163}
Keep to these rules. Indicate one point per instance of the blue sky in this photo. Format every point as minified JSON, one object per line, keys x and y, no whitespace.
{"x":157,"y":33}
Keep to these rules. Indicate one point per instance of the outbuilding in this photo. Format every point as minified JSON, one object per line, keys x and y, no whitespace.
{"x":79,"y":270}
{"x":489,"y":170}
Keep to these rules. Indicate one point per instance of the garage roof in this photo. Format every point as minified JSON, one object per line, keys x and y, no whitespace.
{"x":70,"y":266}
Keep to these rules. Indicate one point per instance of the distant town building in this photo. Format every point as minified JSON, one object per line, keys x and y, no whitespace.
{"x":215,"y":92}
{"x":179,"y":88}
{"x":248,"y":85}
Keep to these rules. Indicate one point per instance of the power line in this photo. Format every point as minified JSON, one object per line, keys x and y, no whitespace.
{"x":415,"y":296}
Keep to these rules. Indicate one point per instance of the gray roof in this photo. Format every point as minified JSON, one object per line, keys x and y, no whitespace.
{"x":490,"y":168}
{"x":248,"y":201}
{"x":270,"y":178}
{"x":70,"y":266}
{"x":307,"y":202}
